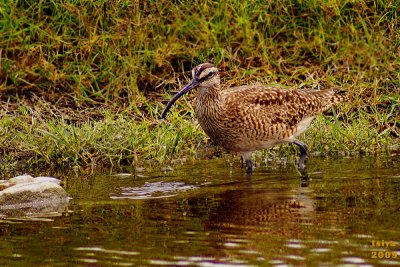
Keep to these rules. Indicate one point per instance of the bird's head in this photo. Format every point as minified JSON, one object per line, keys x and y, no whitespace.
{"x":204,"y":76}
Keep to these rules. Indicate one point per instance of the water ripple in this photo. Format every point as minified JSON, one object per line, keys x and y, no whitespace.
{"x":153,"y":190}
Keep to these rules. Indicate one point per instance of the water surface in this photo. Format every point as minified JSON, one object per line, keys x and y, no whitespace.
{"x":207,"y":213}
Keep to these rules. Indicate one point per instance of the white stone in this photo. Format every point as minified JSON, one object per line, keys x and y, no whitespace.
{"x":31,"y":194}
{"x":46,"y":179}
{"x":28,"y":196}
{"x":26,"y":178}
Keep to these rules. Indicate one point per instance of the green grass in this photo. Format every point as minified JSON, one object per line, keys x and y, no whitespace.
{"x":115,"y":139}
{"x":83,"y":82}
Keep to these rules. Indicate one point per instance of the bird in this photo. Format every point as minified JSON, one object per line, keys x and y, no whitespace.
{"x":248,"y":118}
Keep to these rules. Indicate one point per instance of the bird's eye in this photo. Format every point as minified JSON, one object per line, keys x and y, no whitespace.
{"x":211,"y":74}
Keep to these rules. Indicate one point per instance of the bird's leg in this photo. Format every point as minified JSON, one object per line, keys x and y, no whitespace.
{"x":249,"y":164}
{"x":303,"y":153}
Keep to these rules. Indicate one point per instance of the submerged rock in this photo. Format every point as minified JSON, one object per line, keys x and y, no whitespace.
{"x":25,"y":195}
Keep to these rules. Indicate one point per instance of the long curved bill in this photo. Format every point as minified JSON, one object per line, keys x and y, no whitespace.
{"x":184,"y":90}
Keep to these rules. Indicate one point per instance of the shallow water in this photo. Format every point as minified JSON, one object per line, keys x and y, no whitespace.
{"x":209,"y":214}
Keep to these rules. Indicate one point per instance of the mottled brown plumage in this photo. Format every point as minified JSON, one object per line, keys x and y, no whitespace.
{"x":252,"y":117}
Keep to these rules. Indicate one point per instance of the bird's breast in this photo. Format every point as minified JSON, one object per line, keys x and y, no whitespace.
{"x":213,"y":120}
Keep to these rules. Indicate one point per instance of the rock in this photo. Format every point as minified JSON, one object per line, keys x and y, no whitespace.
{"x":25,"y":195}
{"x":47,"y":179}
{"x":26,"y":178}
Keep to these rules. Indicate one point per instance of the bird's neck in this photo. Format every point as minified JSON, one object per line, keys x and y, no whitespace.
{"x":210,"y":94}
{"x":209,"y":101}
{"x":210,"y":111}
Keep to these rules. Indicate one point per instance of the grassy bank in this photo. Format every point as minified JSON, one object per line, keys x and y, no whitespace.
{"x":82,"y":82}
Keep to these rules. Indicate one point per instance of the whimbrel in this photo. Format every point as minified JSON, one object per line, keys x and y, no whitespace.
{"x":247,"y":118}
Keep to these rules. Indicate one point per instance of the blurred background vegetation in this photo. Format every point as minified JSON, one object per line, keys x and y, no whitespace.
{"x":83,"y":82}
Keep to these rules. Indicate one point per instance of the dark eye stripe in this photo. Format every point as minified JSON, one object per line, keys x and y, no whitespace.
{"x":211,"y":74}
{"x":202,"y":68}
